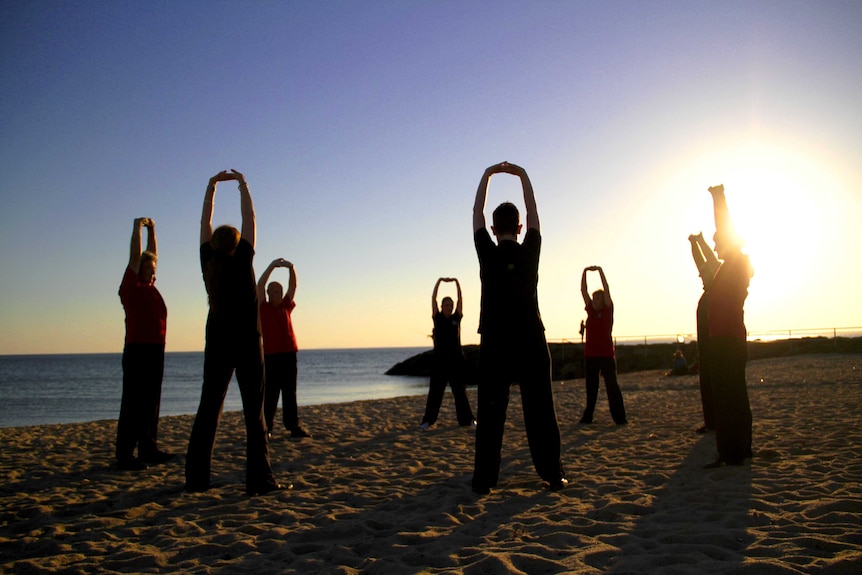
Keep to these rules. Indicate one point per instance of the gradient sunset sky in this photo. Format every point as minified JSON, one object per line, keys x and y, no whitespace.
{"x":363,"y":129}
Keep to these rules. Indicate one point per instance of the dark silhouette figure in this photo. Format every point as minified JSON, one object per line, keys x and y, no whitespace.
{"x":707,"y":265}
{"x":449,"y":364}
{"x":680,"y":365}
{"x":279,"y":348}
{"x":143,"y":355}
{"x":599,"y":351}
{"x":513,"y":346}
{"x":728,"y":346}
{"x":232,"y":342}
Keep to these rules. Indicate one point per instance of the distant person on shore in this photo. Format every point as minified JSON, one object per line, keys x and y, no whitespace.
{"x":707,"y":265}
{"x":279,"y":349}
{"x":679,"y":364}
{"x":599,"y":351}
{"x":143,"y":355}
{"x":232,"y":342}
{"x":728,"y":342}
{"x":449,"y":363}
{"x":513,"y":346}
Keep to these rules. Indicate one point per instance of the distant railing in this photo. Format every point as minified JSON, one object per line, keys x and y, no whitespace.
{"x":770,"y":335}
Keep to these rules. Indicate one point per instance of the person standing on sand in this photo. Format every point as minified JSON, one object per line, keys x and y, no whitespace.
{"x":707,"y":265}
{"x":513,"y":346}
{"x":279,"y":348}
{"x":728,"y":339}
{"x":232,"y":342}
{"x":599,"y":351}
{"x":449,"y":364}
{"x":143,"y":355}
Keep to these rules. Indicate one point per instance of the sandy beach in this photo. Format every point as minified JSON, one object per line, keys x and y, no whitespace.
{"x":374,"y":494}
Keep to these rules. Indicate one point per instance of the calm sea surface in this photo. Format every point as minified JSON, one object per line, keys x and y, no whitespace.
{"x":44,"y":389}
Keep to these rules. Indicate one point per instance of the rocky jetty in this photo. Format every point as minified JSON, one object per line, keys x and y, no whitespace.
{"x":567,"y":359}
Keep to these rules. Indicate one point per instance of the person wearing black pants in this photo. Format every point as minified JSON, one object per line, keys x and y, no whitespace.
{"x":513,"y":346}
{"x":707,"y":265}
{"x":233,"y":342}
{"x":143,"y":355}
{"x":599,"y":351}
{"x":279,"y":348}
{"x":449,"y":365}
{"x":728,"y":340}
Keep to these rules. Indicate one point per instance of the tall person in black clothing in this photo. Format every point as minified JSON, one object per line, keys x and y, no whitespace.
{"x":707,"y":265}
{"x":513,"y":346}
{"x":728,"y":339}
{"x":449,"y":364}
{"x":233,"y":342}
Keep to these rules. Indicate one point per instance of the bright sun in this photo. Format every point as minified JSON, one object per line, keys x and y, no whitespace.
{"x":774,"y":200}
{"x":783,"y":204}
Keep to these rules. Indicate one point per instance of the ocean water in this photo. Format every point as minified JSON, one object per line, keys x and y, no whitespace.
{"x":46,"y":389}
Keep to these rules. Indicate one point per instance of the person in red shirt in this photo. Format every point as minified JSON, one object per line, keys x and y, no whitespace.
{"x":143,"y":355}
{"x":599,"y":352}
{"x":728,"y":337}
{"x":279,"y":348}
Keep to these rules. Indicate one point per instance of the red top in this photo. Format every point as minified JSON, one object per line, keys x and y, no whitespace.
{"x":146,"y":313}
{"x":599,"y":342}
{"x":277,"y":329}
{"x":727,"y":298}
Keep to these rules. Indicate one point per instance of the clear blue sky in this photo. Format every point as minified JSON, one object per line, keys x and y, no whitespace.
{"x":363,"y":129}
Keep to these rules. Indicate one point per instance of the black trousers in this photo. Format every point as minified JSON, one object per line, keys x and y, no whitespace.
{"x":607,"y":367}
{"x":705,"y":362}
{"x":138,"y":424}
{"x":222,"y":355}
{"x":730,"y":392}
{"x":449,"y":370}
{"x":281,"y":375}
{"x":503,"y":361}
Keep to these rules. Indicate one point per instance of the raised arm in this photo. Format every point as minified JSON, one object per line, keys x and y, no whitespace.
{"x":249,"y":225}
{"x":135,"y":248}
{"x":607,"y":291}
{"x":696,"y":252}
{"x":726,"y":237}
{"x":152,"y":244}
{"x":459,"y":308}
{"x":291,"y":282}
{"x":207,"y":212}
{"x":532,"y":215}
{"x":479,"y":204}
{"x":264,"y":277}
{"x":723,"y":224}
{"x":435,"y":309}
{"x":584,"y":291}
{"x":704,"y":258}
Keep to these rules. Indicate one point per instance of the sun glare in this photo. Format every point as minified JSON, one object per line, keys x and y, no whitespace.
{"x":782,"y":204}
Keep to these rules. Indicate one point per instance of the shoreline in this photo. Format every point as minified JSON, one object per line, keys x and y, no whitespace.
{"x":373,"y":494}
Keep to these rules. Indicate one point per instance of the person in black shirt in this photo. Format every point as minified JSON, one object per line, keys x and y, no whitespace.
{"x":449,"y":364}
{"x":513,"y":346}
{"x":233,"y":341}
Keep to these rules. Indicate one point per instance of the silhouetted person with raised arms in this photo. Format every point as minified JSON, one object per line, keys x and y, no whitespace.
{"x":707,"y":265}
{"x":143,"y":355}
{"x":232,"y":342}
{"x":449,"y":364}
{"x":599,"y":350}
{"x":728,"y":345}
{"x":279,"y":348}
{"x":513,"y":346}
